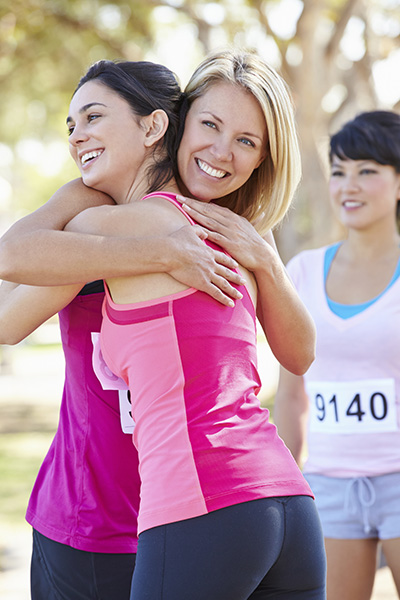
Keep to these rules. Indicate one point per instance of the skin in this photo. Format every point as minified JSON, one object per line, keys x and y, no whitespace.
{"x":219,"y":148}
{"x":37,"y":251}
{"x":363,"y":196}
{"x":232,"y":143}
{"x":126,"y":172}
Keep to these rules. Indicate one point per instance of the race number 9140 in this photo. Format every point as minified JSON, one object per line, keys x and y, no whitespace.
{"x":362,"y":406}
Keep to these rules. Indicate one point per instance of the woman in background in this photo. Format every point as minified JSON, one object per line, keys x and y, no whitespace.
{"x":350,"y":396}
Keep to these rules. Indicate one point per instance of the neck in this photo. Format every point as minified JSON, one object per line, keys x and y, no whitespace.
{"x":369,"y":245}
{"x":140,"y":188}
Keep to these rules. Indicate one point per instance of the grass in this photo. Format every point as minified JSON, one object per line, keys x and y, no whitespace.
{"x":21,"y":455}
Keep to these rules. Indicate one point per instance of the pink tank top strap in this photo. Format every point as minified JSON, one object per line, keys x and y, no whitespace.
{"x":171,"y":198}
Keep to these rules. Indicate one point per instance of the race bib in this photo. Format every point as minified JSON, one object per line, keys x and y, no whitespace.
{"x":125,"y":409}
{"x":365,"y":406}
{"x":110,"y":381}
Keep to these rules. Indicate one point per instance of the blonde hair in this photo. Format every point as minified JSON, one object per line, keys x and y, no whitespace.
{"x":265,"y":198}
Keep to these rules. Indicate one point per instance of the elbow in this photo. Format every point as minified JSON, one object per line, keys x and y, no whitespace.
{"x":302,"y":360}
{"x":300,"y":367}
{"x":306,"y":356}
{"x":8,"y":337}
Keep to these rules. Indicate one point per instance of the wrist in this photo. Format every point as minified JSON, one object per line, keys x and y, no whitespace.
{"x":268,"y":264}
{"x":163,"y":254}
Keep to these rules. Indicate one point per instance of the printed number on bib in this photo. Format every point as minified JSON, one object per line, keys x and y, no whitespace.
{"x":364,"y":406}
{"x":125,"y":408}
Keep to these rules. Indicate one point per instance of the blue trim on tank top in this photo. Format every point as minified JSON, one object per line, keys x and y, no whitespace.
{"x":346,"y":311}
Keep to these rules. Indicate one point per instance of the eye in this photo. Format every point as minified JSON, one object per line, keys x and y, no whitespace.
{"x":92,"y":117}
{"x":70,"y":130}
{"x":209,"y":124}
{"x":368,"y":171}
{"x":336,"y":173}
{"x":247,"y":142}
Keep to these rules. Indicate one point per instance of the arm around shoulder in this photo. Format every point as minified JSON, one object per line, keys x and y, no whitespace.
{"x":23,"y":308}
{"x":36,"y":251}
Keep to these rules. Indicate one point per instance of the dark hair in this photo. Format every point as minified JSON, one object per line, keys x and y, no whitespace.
{"x":371,"y":135}
{"x":146,"y":87}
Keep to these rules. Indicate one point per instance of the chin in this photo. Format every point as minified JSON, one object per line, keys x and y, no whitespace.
{"x":206,"y":195}
{"x":91,"y":182}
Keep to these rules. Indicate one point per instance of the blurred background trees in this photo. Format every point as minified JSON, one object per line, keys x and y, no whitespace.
{"x":339,"y":57}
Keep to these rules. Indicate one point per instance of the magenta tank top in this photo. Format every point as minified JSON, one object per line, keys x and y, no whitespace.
{"x":85,"y":495}
{"x":204,"y":442}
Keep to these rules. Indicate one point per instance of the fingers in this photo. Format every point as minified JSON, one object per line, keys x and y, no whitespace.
{"x":210,"y":215}
{"x":221,"y":240}
{"x":224,"y":259}
{"x":204,"y":219}
{"x":224,"y":278}
{"x":206,"y":208}
{"x":222,"y":291}
{"x":202,"y":233}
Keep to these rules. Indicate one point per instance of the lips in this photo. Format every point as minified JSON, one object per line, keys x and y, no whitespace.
{"x":209,"y":170}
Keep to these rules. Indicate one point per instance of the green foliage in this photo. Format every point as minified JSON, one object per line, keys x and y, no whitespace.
{"x":46,"y":45}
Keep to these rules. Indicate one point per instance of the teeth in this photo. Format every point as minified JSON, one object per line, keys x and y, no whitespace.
{"x":210,"y":171}
{"x":352,"y":203}
{"x":89,"y":155}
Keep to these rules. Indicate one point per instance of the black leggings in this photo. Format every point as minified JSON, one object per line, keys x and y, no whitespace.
{"x":59,"y":572}
{"x":269,"y":548}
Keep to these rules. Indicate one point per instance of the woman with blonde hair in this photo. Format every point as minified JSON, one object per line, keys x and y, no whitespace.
{"x":224,"y":510}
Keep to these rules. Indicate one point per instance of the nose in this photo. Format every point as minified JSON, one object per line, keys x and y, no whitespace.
{"x":78,"y":135}
{"x":350,"y":182}
{"x":222,"y":149}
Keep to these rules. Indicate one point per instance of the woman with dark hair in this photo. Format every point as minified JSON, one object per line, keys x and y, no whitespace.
{"x":84,"y":506}
{"x":350,"y":396}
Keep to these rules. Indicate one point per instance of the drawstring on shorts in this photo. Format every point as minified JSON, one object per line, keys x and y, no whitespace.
{"x":360,"y":492}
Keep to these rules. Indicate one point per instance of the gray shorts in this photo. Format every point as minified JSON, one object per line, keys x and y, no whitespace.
{"x":358,"y":508}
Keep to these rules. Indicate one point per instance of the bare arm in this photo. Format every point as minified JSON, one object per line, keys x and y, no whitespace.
{"x":23,"y":308}
{"x":287,"y":324}
{"x":291,"y":413}
{"x":36,"y":251}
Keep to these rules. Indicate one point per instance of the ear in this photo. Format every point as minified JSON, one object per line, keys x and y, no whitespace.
{"x":155,"y":124}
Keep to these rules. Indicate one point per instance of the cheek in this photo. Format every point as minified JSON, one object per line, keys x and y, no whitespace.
{"x":73,"y":153}
{"x":248,"y":165}
{"x":333,"y":188}
{"x":184,"y":154}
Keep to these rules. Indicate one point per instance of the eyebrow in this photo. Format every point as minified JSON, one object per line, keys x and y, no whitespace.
{"x":84,"y":109}
{"x":208,"y":112}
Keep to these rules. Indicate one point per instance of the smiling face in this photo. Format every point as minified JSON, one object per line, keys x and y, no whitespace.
{"x":224,"y":140}
{"x":106,"y":140}
{"x":363,"y":192}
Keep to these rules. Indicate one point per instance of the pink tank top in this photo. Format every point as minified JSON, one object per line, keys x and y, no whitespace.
{"x":84,"y":495}
{"x":203,"y":440}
